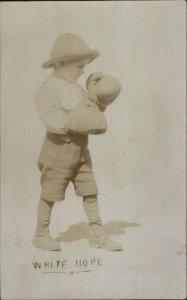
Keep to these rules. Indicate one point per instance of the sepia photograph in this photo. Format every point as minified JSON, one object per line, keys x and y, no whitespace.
{"x":93,"y":149}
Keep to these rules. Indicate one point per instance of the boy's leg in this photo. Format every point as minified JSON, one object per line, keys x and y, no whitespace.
{"x":98,"y":237}
{"x":86,"y":187}
{"x":42,"y":238}
{"x":91,"y":209}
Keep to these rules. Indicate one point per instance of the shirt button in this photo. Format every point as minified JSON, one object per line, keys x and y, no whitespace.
{"x":68,"y":139}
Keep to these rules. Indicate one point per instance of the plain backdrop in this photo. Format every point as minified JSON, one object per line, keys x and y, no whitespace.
{"x":138,"y":164}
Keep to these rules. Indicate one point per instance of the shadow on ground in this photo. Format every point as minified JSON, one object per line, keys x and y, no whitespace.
{"x":81,"y":230}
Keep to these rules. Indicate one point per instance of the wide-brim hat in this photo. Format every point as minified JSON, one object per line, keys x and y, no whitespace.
{"x":69,"y":47}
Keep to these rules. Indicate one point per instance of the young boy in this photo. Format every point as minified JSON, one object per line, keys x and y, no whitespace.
{"x":65,"y":156}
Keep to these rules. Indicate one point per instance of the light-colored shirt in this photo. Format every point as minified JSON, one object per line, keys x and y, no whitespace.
{"x":55,"y":98}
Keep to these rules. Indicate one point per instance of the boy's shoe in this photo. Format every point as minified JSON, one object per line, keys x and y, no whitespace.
{"x":99,"y":239}
{"x":45,"y":242}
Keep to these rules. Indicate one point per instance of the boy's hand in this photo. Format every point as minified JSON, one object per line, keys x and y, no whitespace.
{"x":91,"y":84}
{"x":94,"y":77}
{"x":102,"y":89}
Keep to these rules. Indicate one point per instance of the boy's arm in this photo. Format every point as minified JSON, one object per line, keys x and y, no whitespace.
{"x":85,"y":119}
{"x":51,"y":115}
{"x":91,"y":88}
{"x":54,"y":122}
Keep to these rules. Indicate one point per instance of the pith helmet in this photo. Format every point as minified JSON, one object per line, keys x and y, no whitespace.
{"x":68,"y":47}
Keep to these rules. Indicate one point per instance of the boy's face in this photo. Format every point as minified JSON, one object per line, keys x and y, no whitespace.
{"x":74,"y":69}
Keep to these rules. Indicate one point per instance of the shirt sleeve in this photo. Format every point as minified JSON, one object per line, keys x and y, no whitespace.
{"x":50,"y":110}
{"x":69,"y":95}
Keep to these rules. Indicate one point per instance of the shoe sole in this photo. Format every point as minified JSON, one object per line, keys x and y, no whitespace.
{"x":45,"y":248}
{"x":105,"y":248}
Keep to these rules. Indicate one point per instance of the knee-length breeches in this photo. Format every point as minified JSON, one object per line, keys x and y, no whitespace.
{"x":65,"y":159}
